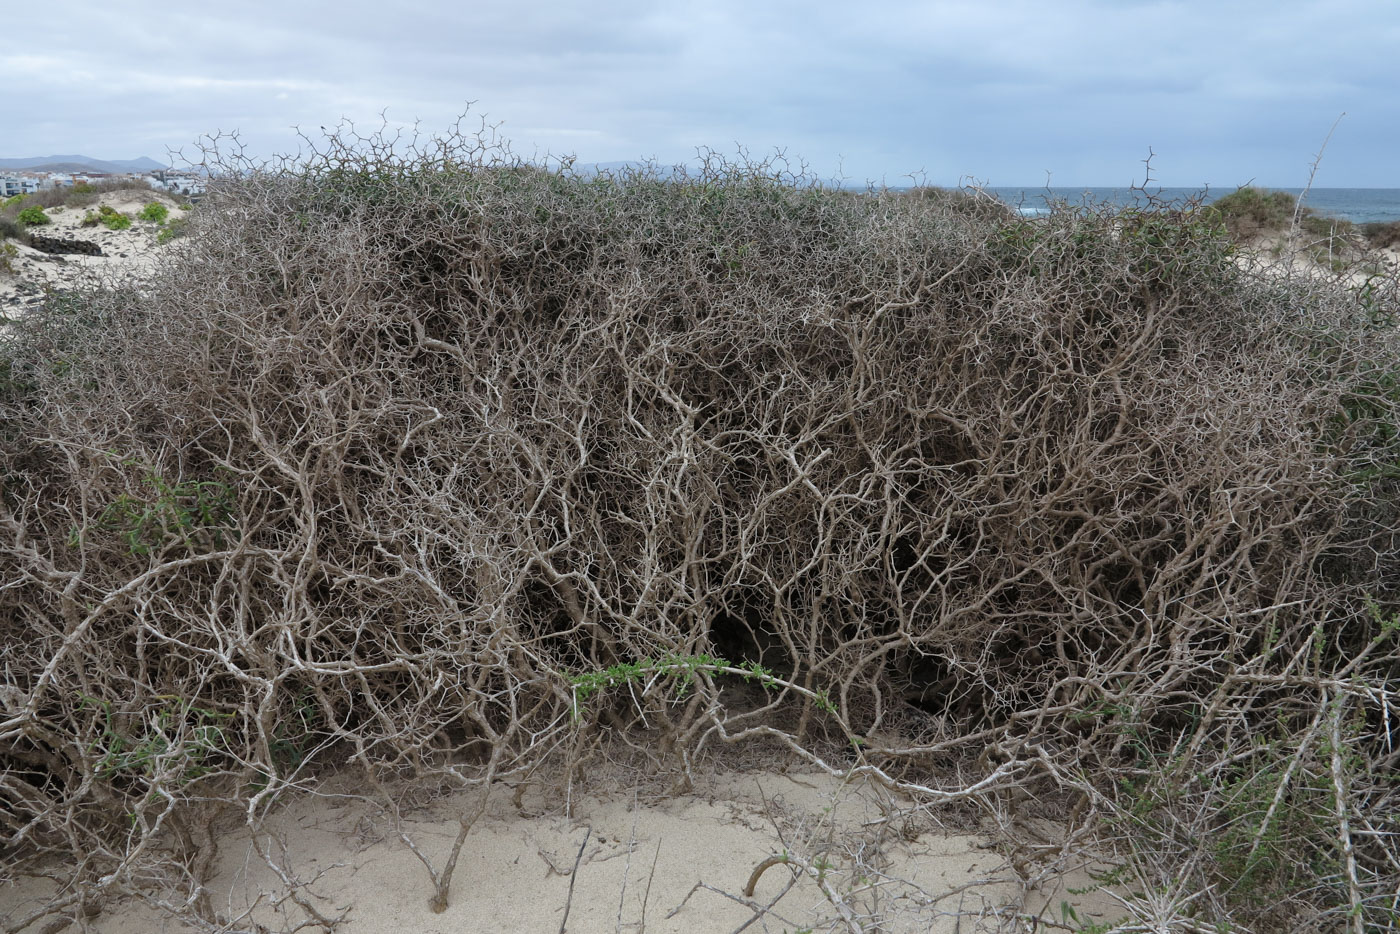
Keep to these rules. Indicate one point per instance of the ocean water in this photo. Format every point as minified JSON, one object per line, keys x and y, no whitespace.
{"x":1358,"y":205}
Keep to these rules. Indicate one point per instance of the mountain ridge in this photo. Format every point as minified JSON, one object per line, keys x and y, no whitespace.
{"x":67,"y":163}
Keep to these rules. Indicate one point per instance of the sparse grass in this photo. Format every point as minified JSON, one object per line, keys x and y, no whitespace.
{"x":1319,"y":225}
{"x":9,"y":253}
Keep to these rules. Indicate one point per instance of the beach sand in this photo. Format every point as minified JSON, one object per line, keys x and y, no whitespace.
{"x":650,"y":861}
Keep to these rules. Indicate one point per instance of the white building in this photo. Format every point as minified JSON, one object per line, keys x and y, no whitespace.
{"x":184,"y":184}
{"x":11,"y":185}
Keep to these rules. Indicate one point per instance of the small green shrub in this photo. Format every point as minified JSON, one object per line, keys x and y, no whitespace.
{"x":177,"y":738}
{"x":680,"y":671}
{"x":173,"y":230}
{"x":106,"y":210}
{"x":12,"y":202}
{"x":91,"y":219}
{"x":8,"y":254}
{"x":115,"y":221}
{"x":82,"y":188}
{"x":1250,"y":211}
{"x":193,"y":514}
{"x":33,"y":216}
{"x":1382,"y":235}
{"x":9,"y":227}
{"x":155,"y":212}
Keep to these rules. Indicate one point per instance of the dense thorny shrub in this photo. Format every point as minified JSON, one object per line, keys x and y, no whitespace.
{"x":399,"y":446}
{"x":1249,"y":211}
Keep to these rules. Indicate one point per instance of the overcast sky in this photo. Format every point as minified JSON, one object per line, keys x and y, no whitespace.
{"x":999,"y":91}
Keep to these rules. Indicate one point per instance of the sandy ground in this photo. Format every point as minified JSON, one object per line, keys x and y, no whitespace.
{"x":627,"y":861}
{"x":1270,"y":255}
{"x":125,"y":252}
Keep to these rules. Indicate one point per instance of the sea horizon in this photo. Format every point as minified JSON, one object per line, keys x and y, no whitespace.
{"x":1358,"y":205}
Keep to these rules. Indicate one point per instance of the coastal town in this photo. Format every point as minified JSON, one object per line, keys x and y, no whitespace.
{"x":30,"y":181}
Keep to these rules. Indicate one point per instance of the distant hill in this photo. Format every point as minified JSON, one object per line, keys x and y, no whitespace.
{"x":70,"y":167}
{"x":82,"y":164}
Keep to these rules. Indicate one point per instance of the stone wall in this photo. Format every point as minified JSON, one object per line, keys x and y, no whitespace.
{"x":64,"y":245}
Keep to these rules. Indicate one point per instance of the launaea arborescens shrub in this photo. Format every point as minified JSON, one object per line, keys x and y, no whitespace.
{"x":401,"y":445}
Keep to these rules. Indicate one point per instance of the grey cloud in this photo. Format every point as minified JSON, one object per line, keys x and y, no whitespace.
{"x":997,"y":89}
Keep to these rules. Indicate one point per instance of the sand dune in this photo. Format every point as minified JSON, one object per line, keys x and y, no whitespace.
{"x":124,"y":252}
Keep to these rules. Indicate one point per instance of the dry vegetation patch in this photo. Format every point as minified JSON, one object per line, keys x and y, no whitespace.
{"x":1274,"y":226}
{"x":454,"y":472}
